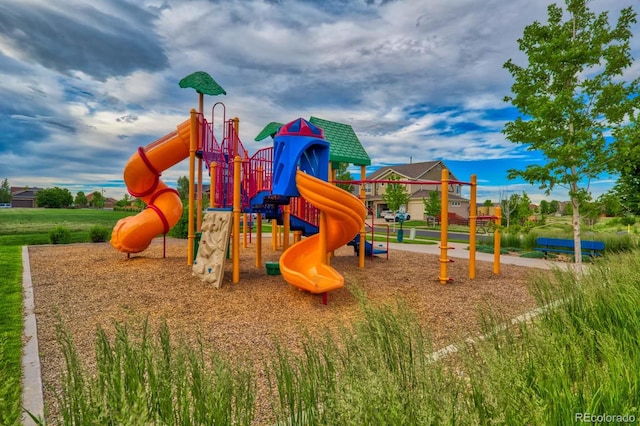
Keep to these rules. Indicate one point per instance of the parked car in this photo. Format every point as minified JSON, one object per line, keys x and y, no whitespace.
{"x":395,"y":217}
{"x":383,"y":213}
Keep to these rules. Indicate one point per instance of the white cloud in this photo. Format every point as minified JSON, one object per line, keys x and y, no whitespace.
{"x":414,"y":79}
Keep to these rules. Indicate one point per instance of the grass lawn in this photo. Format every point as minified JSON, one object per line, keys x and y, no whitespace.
{"x":10,"y":334}
{"x":22,"y":226}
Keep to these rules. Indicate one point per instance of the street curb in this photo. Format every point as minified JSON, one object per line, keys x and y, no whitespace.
{"x":32,"y":395}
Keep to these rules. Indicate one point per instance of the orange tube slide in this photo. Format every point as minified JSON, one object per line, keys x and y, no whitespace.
{"x":142,"y":176}
{"x":304,"y":264}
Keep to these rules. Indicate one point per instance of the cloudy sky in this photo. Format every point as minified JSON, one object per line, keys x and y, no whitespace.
{"x":84,"y":83}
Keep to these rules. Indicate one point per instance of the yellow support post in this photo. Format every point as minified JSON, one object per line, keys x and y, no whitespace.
{"x":324,"y":259}
{"x":496,"y":242}
{"x":236,"y":127}
{"x":237,"y":163}
{"x":444,"y":223}
{"x":473,"y":216}
{"x":287,"y":227}
{"x":274,"y":234}
{"x":259,"y":240}
{"x":192,"y":162}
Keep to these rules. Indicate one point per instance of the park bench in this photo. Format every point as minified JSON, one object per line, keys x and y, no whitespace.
{"x":368,"y":247}
{"x":558,"y":245}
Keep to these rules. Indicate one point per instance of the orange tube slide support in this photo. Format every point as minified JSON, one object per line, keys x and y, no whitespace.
{"x":304,"y":264}
{"x":142,"y":176}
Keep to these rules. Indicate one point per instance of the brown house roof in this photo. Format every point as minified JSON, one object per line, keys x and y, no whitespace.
{"x":413,"y":171}
{"x":21,"y":192}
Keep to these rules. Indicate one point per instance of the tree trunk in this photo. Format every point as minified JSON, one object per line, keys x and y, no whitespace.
{"x":576,"y":232}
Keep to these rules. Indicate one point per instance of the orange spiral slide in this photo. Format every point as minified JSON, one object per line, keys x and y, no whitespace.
{"x":142,"y":176}
{"x":304,"y":264}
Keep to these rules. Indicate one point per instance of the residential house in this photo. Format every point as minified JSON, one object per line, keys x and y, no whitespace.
{"x":427,"y":176}
{"x":24,"y":196}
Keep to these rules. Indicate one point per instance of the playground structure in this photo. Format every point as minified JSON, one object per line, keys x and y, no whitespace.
{"x":264,"y":184}
{"x":290,"y":183}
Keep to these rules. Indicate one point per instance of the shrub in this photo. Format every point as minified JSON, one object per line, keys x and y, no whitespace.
{"x":98,"y":234}
{"x":181,"y":229}
{"x":628,"y":220}
{"x":60,"y":235}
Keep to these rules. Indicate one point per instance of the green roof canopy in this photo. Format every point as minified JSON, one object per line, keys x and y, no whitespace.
{"x":344,"y":145}
{"x":269,"y":130}
{"x":202,"y":83}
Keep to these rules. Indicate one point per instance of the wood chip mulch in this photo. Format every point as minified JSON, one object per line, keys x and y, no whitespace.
{"x":90,"y":285}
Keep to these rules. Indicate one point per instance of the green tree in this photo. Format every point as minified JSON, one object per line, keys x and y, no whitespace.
{"x":610,"y":203}
{"x":344,"y":175}
{"x":591,"y":211}
{"x":81,"y":199}
{"x":570,"y":95}
{"x":138,"y":203}
{"x":568,"y":209}
{"x":433,"y":205}
{"x":627,"y":187}
{"x":544,"y":207}
{"x":516,"y":209}
{"x":5,"y":191}
{"x":396,"y":194}
{"x":54,"y":198}
{"x":125,"y":201}
{"x":554,"y":205}
{"x":97,"y":200}
{"x":488,"y":203}
{"x":183,"y":188}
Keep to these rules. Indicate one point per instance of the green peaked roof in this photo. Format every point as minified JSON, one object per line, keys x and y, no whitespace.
{"x":202,"y":83}
{"x":344,"y":145}
{"x":269,"y":130}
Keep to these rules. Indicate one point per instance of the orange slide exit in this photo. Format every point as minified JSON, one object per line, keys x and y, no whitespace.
{"x":142,"y":176}
{"x":304,"y":264}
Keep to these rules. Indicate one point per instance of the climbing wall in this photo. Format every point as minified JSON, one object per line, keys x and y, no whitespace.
{"x":214,"y":242}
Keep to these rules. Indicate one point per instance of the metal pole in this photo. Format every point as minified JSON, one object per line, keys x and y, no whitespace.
{"x":496,"y":242}
{"x":473,"y":216}
{"x":192,"y":161}
{"x":444,"y":223}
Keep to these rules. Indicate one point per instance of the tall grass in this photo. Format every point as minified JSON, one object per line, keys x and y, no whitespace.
{"x":378,"y":372}
{"x":580,"y":355}
{"x":145,"y":379}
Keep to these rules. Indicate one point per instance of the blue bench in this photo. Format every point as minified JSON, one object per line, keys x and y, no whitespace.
{"x":557,"y":245}
{"x":367,"y":247}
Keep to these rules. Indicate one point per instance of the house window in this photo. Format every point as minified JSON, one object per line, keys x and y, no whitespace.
{"x":455,"y":204}
{"x":367,"y":187}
